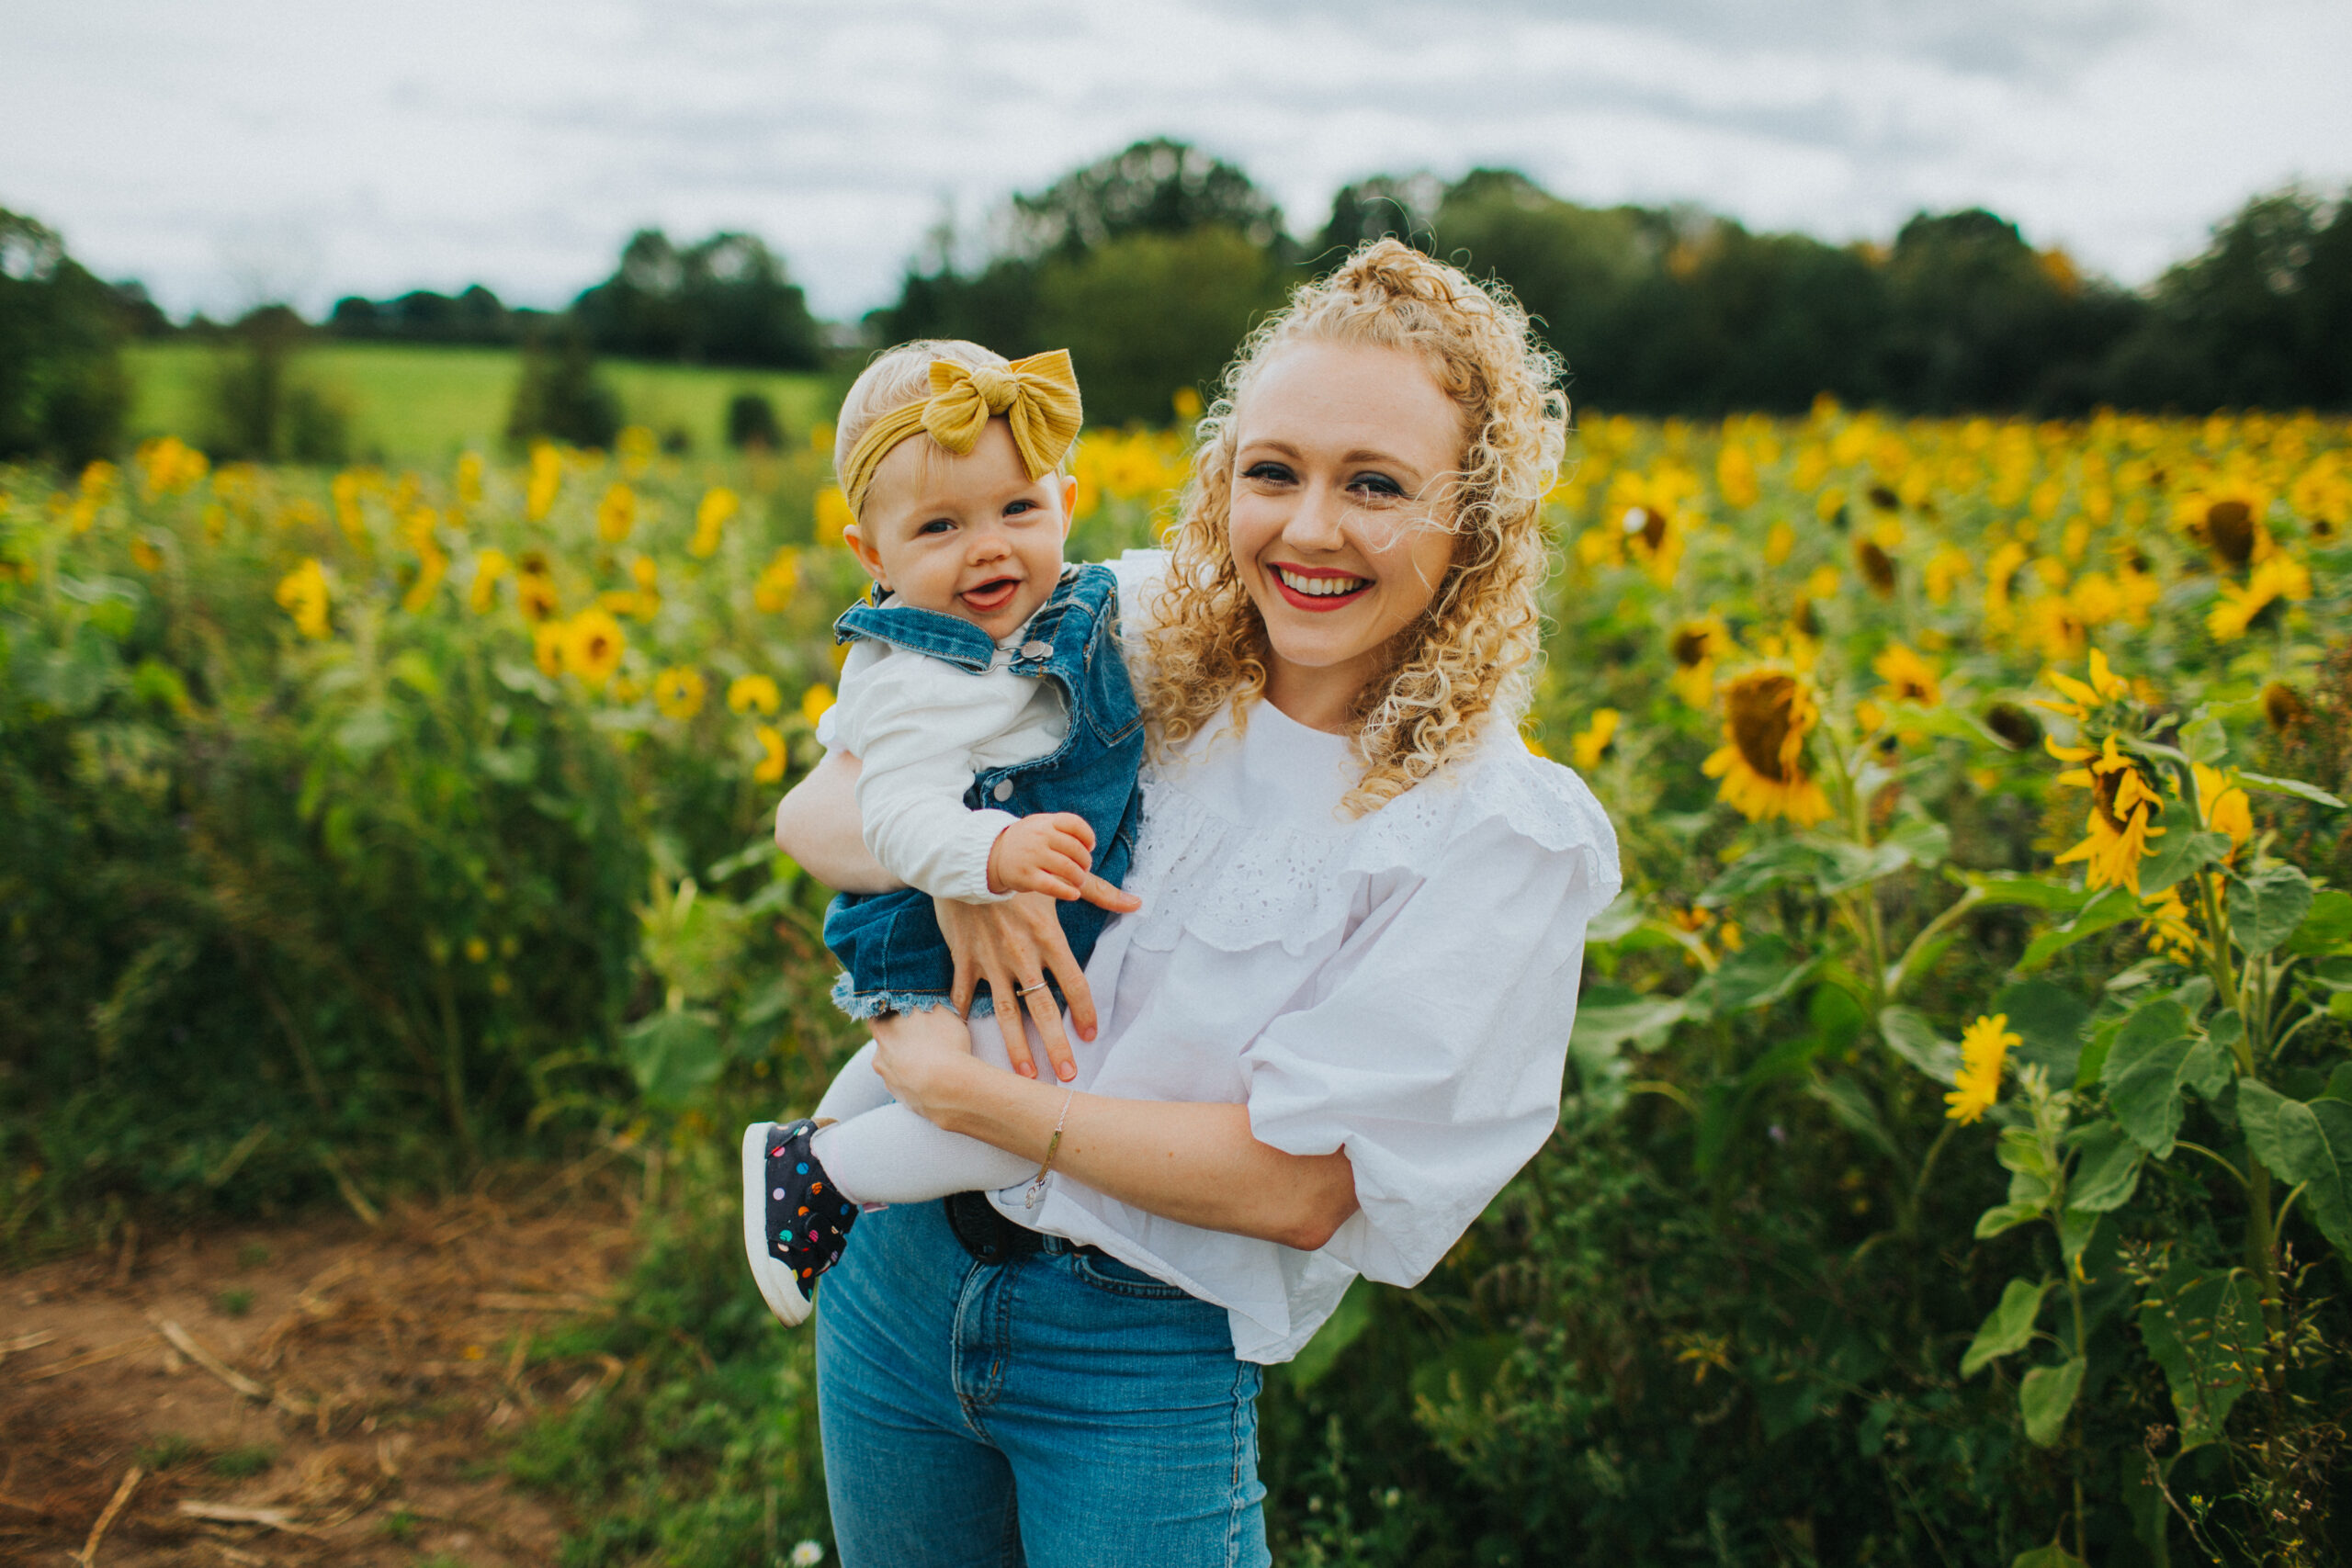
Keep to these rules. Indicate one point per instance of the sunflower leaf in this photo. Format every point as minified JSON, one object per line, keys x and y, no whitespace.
{"x":2307,"y":1144}
{"x":1910,"y":1036}
{"x":2107,"y":1172}
{"x":2295,"y":787}
{"x":2204,"y":1329}
{"x":2031,"y":892}
{"x":2046,"y":1398}
{"x":2327,"y":929}
{"x":2266,"y":907}
{"x":2007,"y":1328}
{"x":2143,"y":1071}
{"x":2177,"y":855}
{"x":2111,"y":908}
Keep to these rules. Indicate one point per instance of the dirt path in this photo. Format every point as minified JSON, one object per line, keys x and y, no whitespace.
{"x":326,"y":1392}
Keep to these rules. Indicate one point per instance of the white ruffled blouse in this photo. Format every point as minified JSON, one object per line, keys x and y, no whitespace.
{"x":1400,"y":986}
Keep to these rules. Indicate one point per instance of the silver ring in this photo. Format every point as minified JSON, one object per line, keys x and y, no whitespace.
{"x":1025,"y":990}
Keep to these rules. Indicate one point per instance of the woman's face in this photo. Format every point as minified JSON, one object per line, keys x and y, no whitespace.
{"x":1340,"y":519}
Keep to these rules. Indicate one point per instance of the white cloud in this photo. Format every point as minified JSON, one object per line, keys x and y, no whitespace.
{"x":246,"y":147}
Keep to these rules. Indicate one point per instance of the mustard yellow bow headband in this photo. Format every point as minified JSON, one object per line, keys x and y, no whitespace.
{"x":1037,"y":396}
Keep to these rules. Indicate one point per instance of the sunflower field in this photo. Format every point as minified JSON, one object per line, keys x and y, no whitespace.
{"x":1956,"y":1160}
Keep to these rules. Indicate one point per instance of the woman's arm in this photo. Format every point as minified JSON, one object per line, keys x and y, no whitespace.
{"x":817,"y":825}
{"x":1194,"y":1163}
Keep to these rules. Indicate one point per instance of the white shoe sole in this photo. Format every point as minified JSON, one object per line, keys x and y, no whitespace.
{"x":777,"y":1287}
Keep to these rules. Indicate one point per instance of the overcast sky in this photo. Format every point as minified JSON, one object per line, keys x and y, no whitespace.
{"x":228,"y":151}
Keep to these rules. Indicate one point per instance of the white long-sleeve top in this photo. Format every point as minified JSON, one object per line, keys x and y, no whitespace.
{"x":1400,"y":986}
{"x":923,"y":728}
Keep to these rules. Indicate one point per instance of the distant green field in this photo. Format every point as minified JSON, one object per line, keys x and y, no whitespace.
{"x":419,"y":404}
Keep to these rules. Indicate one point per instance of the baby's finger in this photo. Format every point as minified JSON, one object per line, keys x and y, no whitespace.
{"x":1076,"y":827}
{"x":1069,"y":846}
{"x":1103,"y":895}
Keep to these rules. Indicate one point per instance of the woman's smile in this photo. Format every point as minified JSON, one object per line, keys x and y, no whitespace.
{"x":1319,"y":589}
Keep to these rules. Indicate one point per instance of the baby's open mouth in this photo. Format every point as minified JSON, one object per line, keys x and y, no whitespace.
{"x":993,"y":594}
{"x":1318,"y":590}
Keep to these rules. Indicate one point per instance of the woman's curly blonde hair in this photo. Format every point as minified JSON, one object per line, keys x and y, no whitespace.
{"x":1473,"y":651}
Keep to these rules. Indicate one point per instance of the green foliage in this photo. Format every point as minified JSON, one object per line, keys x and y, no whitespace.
{"x":63,"y":391}
{"x":723,"y":301}
{"x":1146,"y":313}
{"x":560,"y":396}
{"x":263,"y":404}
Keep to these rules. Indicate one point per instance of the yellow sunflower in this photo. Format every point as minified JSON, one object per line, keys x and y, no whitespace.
{"x":1696,"y":646}
{"x":748,"y":691}
{"x":302,"y":594}
{"x":1908,"y":677}
{"x":616,"y":514}
{"x":718,"y":505}
{"x":2281,"y":578}
{"x":2123,"y":815}
{"x":1984,"y":1051}
{"x":679,"y":691}
{"x":1768,"y":714}
{"x":1587,"y":745}
{"x":772,"y":755}
{"x":592,"y":644}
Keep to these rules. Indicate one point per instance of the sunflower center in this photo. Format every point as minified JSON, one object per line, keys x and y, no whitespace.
{"x":1690,"y":646}
{"x":2229,"y":527}
{"x":1759,"y":722}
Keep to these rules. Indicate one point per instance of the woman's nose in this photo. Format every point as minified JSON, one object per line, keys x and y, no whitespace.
{"x":1317,"y":523}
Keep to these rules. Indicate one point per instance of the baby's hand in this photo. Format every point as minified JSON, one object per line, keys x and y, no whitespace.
{"x":1050,"y":854}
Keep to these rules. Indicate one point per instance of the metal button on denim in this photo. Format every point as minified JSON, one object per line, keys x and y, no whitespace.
{"x":1033,"y":649}
{"x":1004,"y":789}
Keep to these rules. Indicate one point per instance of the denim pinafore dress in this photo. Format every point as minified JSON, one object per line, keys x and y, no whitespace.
{"x":894,"y":958}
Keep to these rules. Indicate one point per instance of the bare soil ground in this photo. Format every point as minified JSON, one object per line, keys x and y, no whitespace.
{"x":330,"y":1391}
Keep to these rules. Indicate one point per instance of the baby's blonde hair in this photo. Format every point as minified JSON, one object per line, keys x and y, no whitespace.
{"x":1473,"y":651}
{"x":901,"y":376}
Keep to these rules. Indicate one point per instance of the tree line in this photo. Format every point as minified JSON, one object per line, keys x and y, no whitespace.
{"x":1150,"y":265}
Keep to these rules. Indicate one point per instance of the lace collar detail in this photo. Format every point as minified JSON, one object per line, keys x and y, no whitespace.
{"x":1238,"y":884}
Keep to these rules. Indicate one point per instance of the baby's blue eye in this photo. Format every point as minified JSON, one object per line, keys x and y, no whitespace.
{"x":936,"y":525}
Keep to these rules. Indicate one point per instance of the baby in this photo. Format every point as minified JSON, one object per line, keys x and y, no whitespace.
{"x":987,"y":699}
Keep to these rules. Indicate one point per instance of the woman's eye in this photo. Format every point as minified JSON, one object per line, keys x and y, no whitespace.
{"x":1268,"y":472}
{"x":1378,"y":484}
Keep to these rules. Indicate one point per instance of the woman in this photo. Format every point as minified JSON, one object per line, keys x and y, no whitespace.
{"x":1335,"y":1027}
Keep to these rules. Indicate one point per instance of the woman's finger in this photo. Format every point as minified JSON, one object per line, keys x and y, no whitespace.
{"x":960,"y":990}
{"x":1048,"y":1017}
{"x":1075,"y":991}
{"x":1004,"y":993}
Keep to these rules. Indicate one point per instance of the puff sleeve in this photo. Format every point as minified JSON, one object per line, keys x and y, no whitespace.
{"x":1430,"y":1048}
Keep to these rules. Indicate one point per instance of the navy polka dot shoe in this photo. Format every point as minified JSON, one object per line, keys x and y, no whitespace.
{"x":794,"y":1222}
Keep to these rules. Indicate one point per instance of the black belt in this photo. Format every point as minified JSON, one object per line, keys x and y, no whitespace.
{"x":989,"y":1237}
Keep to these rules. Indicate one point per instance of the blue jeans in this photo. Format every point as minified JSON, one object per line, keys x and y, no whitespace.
{"x":1060,"y":1411}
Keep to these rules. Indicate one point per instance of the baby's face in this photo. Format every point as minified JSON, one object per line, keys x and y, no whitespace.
{"x":972,"y":536}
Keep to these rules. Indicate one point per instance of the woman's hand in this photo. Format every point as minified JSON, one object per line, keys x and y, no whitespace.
{"x":1014,"y":946}
{"x":917,"y":1052}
